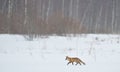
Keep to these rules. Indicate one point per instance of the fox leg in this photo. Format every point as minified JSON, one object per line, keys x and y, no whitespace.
{"x":76,"y":63}
{"x":72,"y":63}
{"x":79,"y":63}
{"x":83,"y":63}
{"x":68,"y":63}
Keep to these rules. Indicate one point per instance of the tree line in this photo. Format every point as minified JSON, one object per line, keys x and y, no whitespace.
{"x":45,"y":17}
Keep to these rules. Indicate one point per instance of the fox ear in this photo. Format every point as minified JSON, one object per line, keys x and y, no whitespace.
{"x":66,"y":58}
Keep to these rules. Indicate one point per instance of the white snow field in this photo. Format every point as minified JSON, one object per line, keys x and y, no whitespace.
{"x":100,"y":52}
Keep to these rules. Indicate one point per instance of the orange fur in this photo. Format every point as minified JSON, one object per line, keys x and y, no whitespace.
{"x":74,"y":59}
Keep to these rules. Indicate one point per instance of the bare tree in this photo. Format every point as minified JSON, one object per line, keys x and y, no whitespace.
{"x":48,"y":10}
{"x":85,"y":12}
{"x":25,"y":11}
{"x":3,"y":6}
{"x":98,"y":19}
{"x":77,"y":9}
{"x":113,"y":16}
{"x":70,"y":8}
{"x":10,"y":6}
{"x":106,"y":14}
{"x":116,"y":20}
{"x":71,"y":12}
{"x":43,"y":10}
{"x":63,"y":8}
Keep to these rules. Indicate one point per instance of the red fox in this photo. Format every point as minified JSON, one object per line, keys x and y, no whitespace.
{"x":75,"y":59}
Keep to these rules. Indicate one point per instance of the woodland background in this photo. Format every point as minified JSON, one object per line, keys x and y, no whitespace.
{"x":60,"y":17}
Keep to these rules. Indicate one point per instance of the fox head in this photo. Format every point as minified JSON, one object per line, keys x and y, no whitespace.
{"x":66,"y":57}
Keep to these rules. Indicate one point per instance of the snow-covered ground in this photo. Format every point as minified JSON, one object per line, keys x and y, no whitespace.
{"x":101,"y":53}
